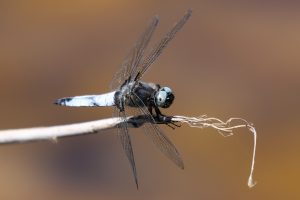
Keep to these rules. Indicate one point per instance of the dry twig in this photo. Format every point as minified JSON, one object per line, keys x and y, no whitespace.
{"x":55,"y":132}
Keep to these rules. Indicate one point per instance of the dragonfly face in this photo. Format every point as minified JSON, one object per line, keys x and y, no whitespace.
{"x":129,"y":91}
{"x":164,"y":97}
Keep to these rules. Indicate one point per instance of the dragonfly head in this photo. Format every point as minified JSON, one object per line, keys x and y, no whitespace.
{"x":164,"y":97}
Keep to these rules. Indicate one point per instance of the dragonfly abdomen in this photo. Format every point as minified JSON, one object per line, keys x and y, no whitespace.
{"x":106,"y":99}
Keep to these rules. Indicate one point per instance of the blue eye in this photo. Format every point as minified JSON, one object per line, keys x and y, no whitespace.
{"x":167,"y":89}
{"x":164,"y":97}
{"x":161,"y":98}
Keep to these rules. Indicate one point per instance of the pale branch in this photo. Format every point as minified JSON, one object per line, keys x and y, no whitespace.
{"x":55,"y":132}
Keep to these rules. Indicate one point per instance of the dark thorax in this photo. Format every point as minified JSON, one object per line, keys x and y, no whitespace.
{"x":141,"y":94}
{"x":136,"y":94}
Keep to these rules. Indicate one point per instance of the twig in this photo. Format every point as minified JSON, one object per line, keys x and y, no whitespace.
{"x":55,"y":132}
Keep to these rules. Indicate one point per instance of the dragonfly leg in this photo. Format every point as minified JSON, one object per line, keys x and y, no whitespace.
{"x":164,"y":119}
{"x":174,"y":124}
{"x":150,"y":110}
{"x":161,"y":118}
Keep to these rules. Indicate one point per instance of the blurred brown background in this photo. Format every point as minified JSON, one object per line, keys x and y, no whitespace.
{"x":232,"y":59}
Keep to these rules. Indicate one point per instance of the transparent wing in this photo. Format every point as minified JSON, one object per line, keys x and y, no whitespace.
{"x":161,"y":141}
{"x":126,"y":142}
{"x":161,"y":45}
{"x":134,"y":57}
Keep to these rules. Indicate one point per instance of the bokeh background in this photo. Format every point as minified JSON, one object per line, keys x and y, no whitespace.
{"x":232,"y":59}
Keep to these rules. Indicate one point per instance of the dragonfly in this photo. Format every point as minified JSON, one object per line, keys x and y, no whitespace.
{"x":129,"y":92}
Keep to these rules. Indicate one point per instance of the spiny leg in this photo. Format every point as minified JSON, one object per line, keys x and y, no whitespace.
{"x":164,"y":119}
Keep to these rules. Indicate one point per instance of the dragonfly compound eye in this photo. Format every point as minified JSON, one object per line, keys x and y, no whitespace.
{"x":164,"y":97}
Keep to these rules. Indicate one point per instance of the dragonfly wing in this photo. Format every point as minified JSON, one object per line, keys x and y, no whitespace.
{"x":126,"y":143}
{"x":161,"y":141}
{"x":153,"y":55}
{"x":133,"y":59}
